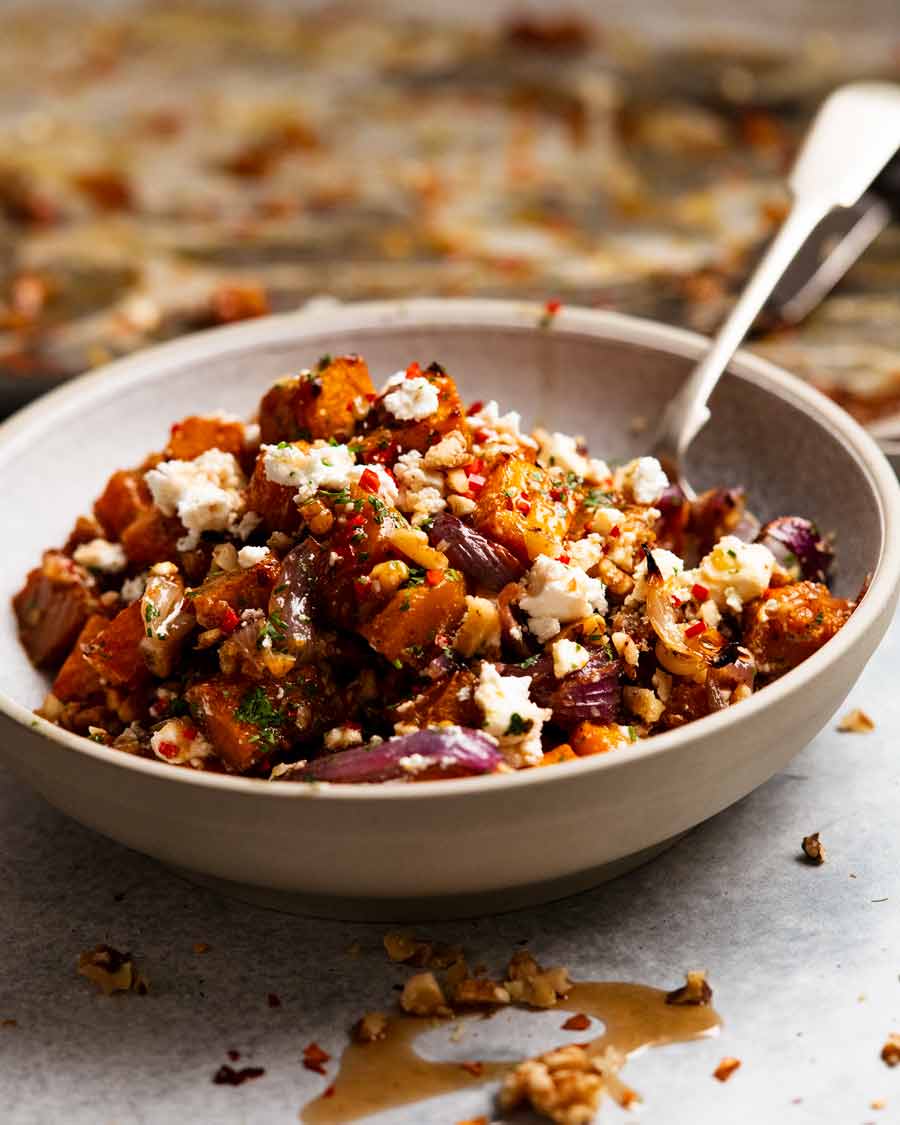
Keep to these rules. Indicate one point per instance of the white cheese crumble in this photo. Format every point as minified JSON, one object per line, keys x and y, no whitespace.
{"x":387,"y":488}
{"x":560,"y":451}
{"x":568,"y":657}
{"x":421,"y":490}
{"x":605,"y":519}
{"x":669,"y":565}
{"x":735,"y":572}
{"x":100,"y":554}
{"x":558,"y":592}
{"x":412,"y":399}
{"x":643,"y":479}
{"x":133,"y":588}
{"x":308,"y":468}
{"x":510,"y":716}
{"x":342,"y":738}
{"x":204,"y":493}
{"x":179,"y":741}
{"x":586,"y":552}
{"x":247,"y":524}
{"x":500,"y":433}
{"x":250,"y":556}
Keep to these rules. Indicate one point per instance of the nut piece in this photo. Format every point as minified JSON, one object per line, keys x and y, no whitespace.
{"x":423,"y":996}
{"x":529,"y":984}
{"x":813,"y":849}
{"x":472,"y":992}
{"x":566,"y":1084}
{"x":694,"y":991}
{"x":890,"y":1052}
{"x":370,"y":1028}
{"x":111,"y":970}
{"x":726,"y":1068}
{"x":480,"y":628}
{"x":404,"y":948}
{"x":856,"y":722}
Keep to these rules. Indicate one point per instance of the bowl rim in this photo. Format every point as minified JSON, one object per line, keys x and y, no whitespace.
{"x":513,"y":316}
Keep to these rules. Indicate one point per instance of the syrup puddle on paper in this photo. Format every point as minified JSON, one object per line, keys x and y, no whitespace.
{"x":388,"y":1073}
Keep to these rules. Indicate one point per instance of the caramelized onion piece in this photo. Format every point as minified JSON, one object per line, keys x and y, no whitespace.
{"x":293,"y":600}
{"x":661,"y":614}
{"x":592,"y":692}
{"x":735,"y":667}
{"x":798,"y":547}
{"x":487,"y":564}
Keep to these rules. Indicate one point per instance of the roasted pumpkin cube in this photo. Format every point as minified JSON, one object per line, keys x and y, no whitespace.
{"x":525,"y":509}
{"x":563,"y":753}
{"x":86,"y":528}
{"x":195,"y":435}
{"x":77,"y":679}
{"x":406,"y":629}
{"x":386,"y":431}
{"x":125,"y":497}
{"x":152,"y":537}
{"x":52,"y":607}
{"x":316,"y":404}
{"x":450,"y":700}
{"x":594,"y":738}
{"x":115,"y":652}
{"x":222,"y":598}
{"x":786,"y":625}
{"x":273,"y":502}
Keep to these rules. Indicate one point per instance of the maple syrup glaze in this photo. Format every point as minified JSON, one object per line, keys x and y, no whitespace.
{"x":389,"y":1073}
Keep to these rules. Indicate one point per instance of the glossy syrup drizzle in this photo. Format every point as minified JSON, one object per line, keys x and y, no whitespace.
{"x":389,"y":1073}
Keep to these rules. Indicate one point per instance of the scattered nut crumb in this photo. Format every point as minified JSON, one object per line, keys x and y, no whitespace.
{"x":726,"y":1068}
{"x":578,"y":1022}
{"x":201,"y":947}
{"x":477,"y":992}
{"x":458,"y":1032}
{"x":404,"y":948}
{"x":856,"y":722}
{"x":476,"y":1069}
{"x":111,"y":971}
{"x":814,"y":849}
{"x":529,"y":983}
{"x":369,"y":1028}
{"x":695,"y":990}
{"x":423,"y":996}
{"x":314,"y":1058}
{"x":890,"y":1052}
{"x":228,"y":1076}
{"x":566,"y":1084}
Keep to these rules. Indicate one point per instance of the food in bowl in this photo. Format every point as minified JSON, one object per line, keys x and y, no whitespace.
{"x":368,"y":586}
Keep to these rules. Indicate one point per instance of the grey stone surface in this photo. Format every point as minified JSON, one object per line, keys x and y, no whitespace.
{"x":805,"y":963}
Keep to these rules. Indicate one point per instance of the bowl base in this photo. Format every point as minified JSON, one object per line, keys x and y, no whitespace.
{"x":434,"y":908}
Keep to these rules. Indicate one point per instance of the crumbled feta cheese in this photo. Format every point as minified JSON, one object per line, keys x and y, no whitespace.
{"x":558,"y":592}
{"x":204,"y":493}
{"x":560,"y":451}
{"x":133,"y":588}
{"x":669,"y":565}
{"x":179,"y":741}
{"x":421,"y":490}
{"x":308,"y":468}
{"x":510,"y":716}
{"x":250,"y":556}
{"x":387,"y":488}
{"x":414,"y":763}
{"x":598,"y":472}
{"x":500,"y":433}
{"x":392,"y":381}
{"x":568,"y":657}
{"x":643,"y":479}
{"x":251,"y":436}
{"x":586,"y":552}
{"x":451,"y":452}
{"x":342,"y":738}
{"x":100,"y":554}
{"x":247,"y":524}
{"x":605,"y":519}
{"x":735,"y":572}
{"x":412,"y":399}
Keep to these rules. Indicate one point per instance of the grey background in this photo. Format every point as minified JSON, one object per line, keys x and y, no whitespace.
{"x":804,"y":962}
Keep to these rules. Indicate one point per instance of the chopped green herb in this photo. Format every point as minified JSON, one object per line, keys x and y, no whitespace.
{"x":632,"y":734}
{"x":531,"y":661}
{"x":518,"y":725}
{"x":256,"y":708}
{"x":324,"y":361}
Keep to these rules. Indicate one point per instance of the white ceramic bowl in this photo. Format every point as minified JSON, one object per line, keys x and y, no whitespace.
{"x":451,"y":846}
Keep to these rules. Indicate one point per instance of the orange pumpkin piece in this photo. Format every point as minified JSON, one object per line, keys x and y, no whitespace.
{"x":115,"y":652}
{"x":195,"y":435}
{"x":52,"y":607}
{"x":152,"y":537}
{"x":786,"y":625}
{"x":406,"y":629}
{"x":563,"y":753}
{"x":591,"y":738}
{"x":273,"y":502}
{"x":316,"y":404}
{"x":125,"y":497}
{"x":523,"y":508}
{"x":222,"y":596}
{"x":77,"y":679}
{"x":385,"y":429}
{"x":451,"y":700}
{"x":239,"y":718}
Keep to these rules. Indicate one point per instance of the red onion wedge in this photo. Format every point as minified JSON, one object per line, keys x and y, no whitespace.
{"x":798,"y":547}
{"x":486,"y":563}
{"x":592,"y":692}
{"x":424,"y":755}
{"x":718,"y":512}
{"x":734,"y":667}
{"x":292,"y":600}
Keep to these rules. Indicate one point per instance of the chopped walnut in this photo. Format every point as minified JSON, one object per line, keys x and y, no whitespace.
{"x":694,"y":991}
{"x":370,"y":1028}
{"x":522,"y":966}
{"x":451,"y":452}
{"x":890,"y":1052}
{"x":528,"y":983}
{"x":813,"y":849}
{"x":856,"y":722}
{"x":423,"y":996}
{"x":473,"y":992}
{"x":566,"y":1084}
{"x":726,"y":1068}
{"x":403,"y":948}
{"x":111,"y":970}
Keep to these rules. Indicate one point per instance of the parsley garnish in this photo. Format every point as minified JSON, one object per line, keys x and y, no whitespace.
{"x":274,"y":629}
{"x":150,"y":612}
{"x":324,"y":361}
{"x":531,"y":661}
{"x":416,"y":576}
{"x":256,"y":708}
{"x":379,"y":508}
{"x":518,"y":725}
{"x":595,"y":497}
